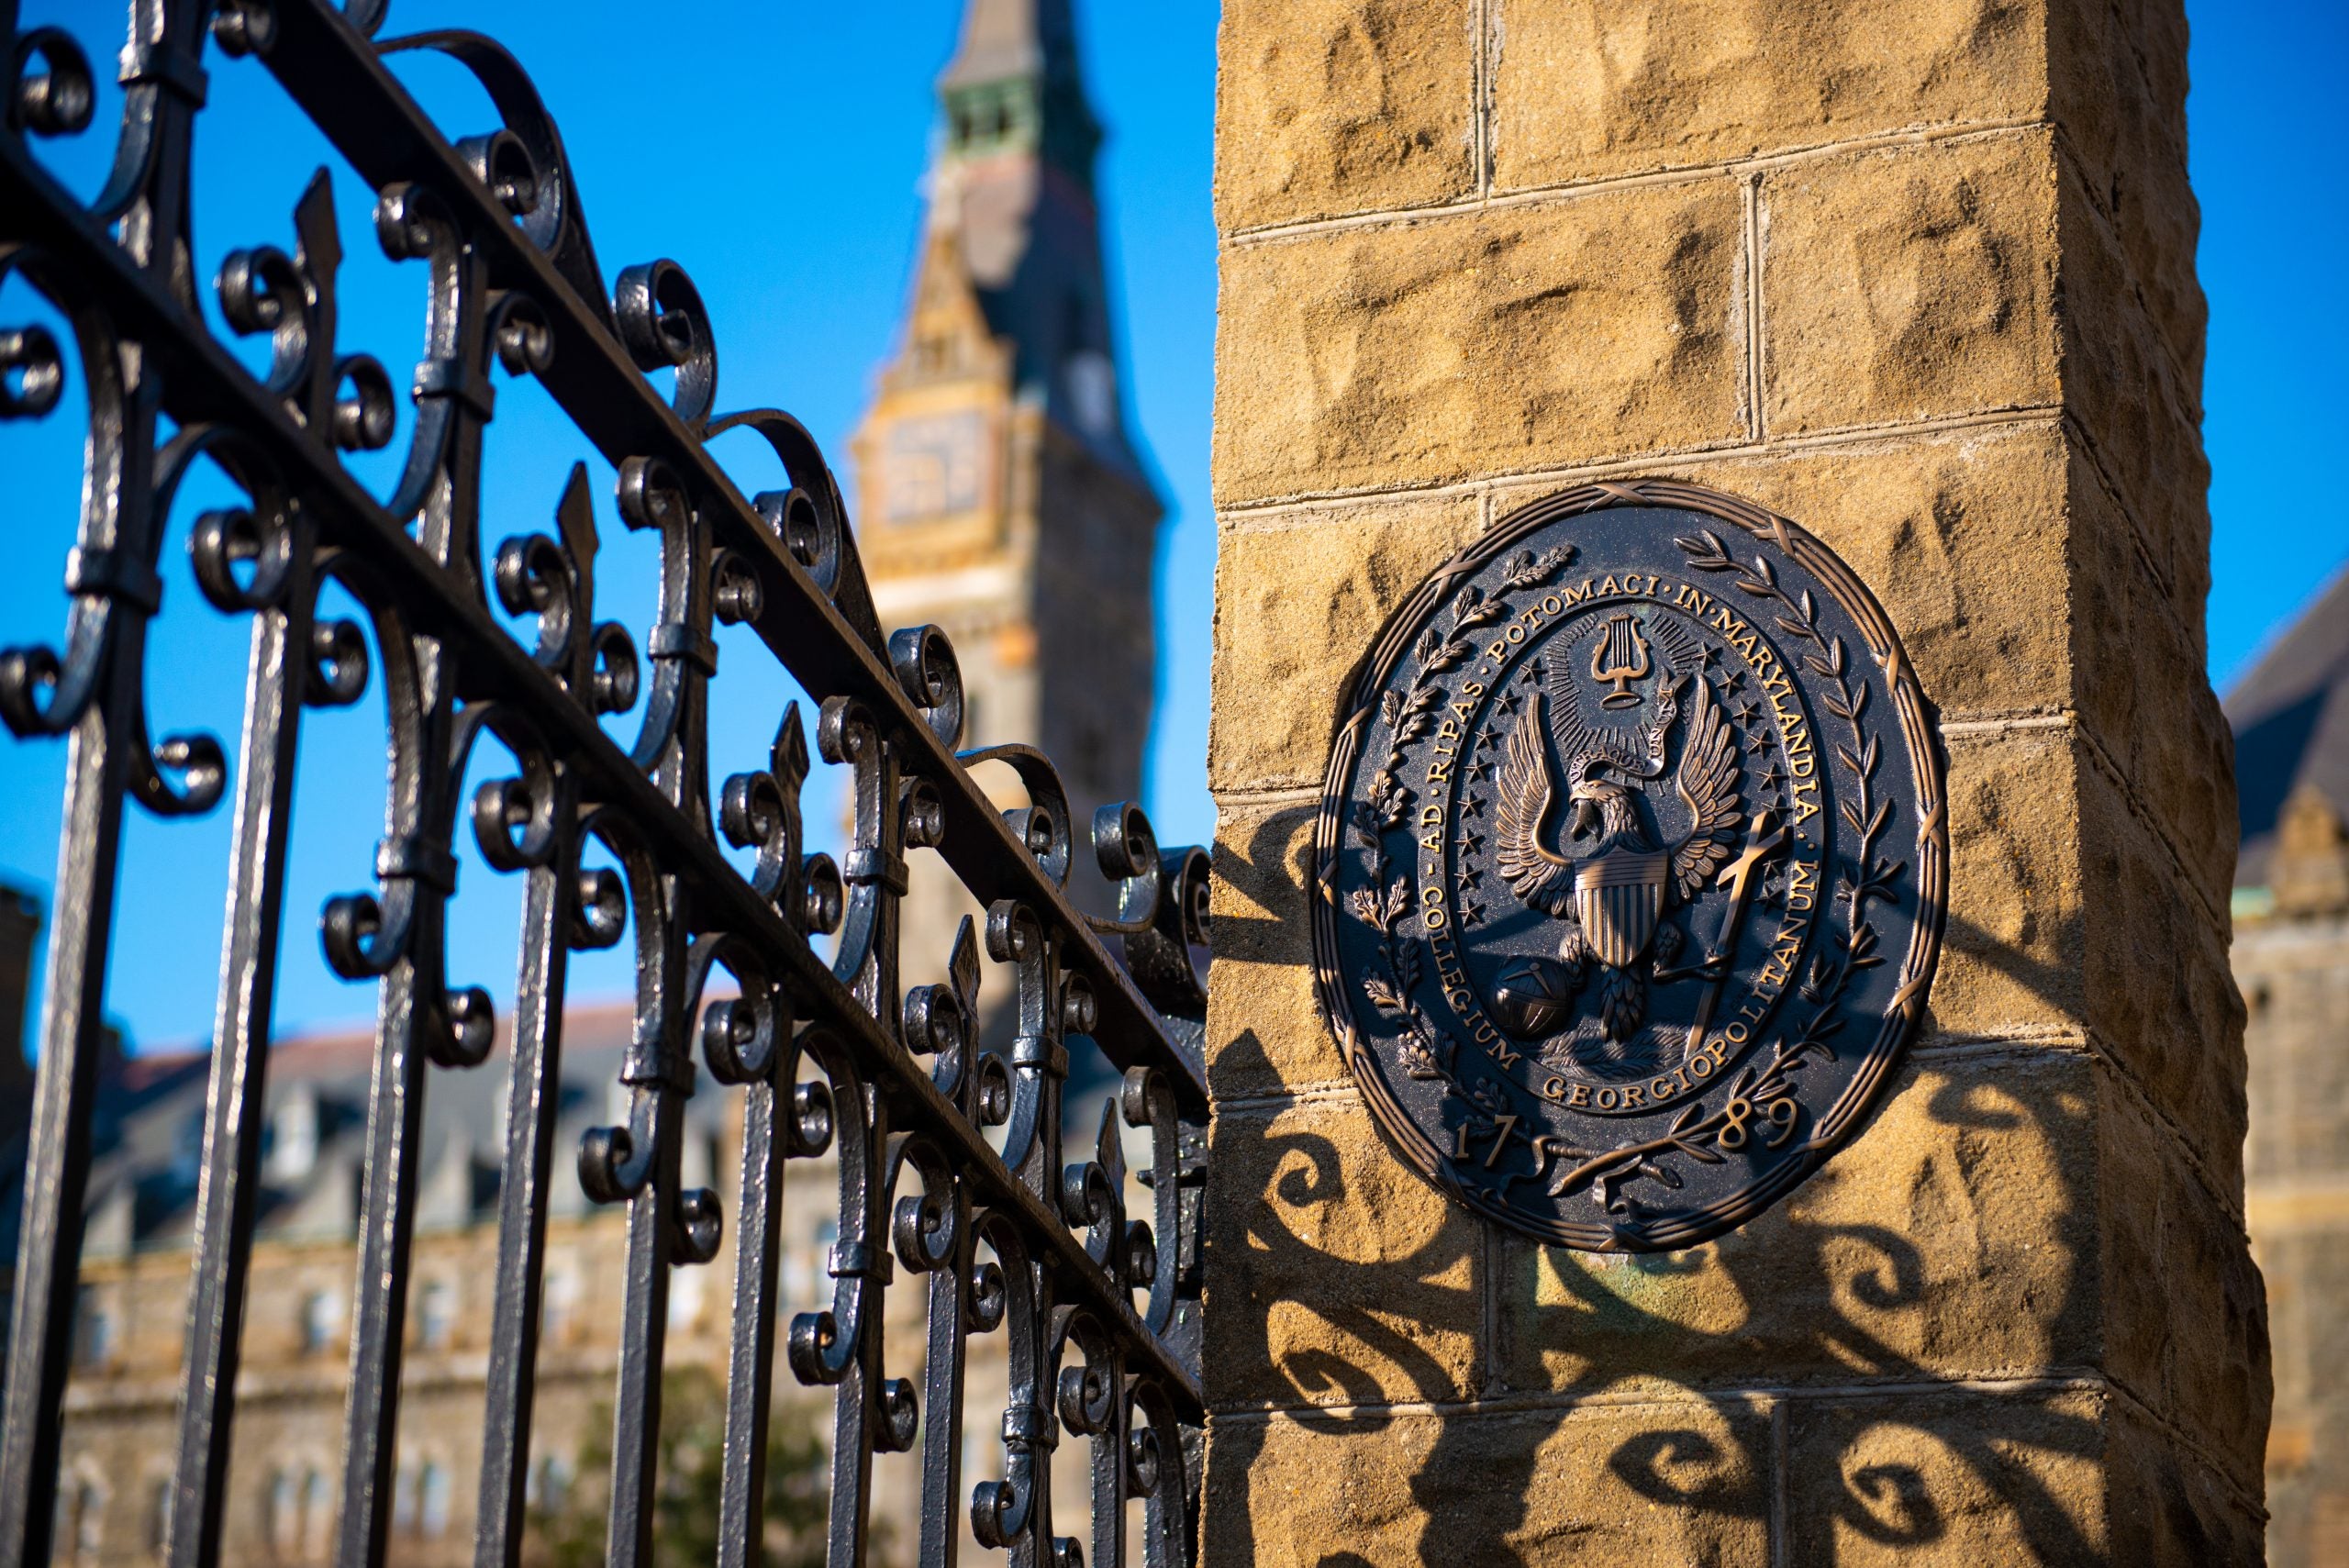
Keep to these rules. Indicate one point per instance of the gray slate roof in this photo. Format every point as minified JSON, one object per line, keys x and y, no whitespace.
{"x":2290,"y":716}
{"x":149,"y":1137}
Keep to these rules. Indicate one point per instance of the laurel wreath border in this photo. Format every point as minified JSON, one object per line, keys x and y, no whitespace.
{"x":1822,"y":988}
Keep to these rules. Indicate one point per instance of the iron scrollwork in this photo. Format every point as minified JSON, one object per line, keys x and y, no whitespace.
{"x":1098,"y":1308}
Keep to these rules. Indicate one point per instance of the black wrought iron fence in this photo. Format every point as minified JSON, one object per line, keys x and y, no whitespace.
{"x":1095,"y":1312}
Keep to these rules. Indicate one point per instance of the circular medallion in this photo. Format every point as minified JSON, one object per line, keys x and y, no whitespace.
{"x":1630,"y":866}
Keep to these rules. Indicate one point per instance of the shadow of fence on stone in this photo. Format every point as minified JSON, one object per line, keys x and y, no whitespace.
{"x":1884,"y":1365}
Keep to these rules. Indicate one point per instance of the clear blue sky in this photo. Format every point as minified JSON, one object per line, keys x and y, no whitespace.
{"x":774,"y":148}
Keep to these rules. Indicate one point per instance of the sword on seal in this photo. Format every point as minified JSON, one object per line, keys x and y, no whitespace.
{"x":1764,"y":836}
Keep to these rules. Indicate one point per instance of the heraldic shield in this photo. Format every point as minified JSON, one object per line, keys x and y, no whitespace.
{"x":1618,"y":900}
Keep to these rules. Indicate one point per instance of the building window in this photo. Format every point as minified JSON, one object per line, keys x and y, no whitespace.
{"x":93,"y":1331}
{"x":548,"y":1486}
{"x":187,"y":1149}
{"x":320,"y":1315}
{"x":159,"y":1517}
{"x":281,"y":1510}
{"x":293,"y":1136}
{"x":317,"y":1513}
{"x":436,"y":1315}
{"x":685,"y":1298}
{"x":562,"y":1293}
{"x":432,"y":1500}
{"x":81,"y":1520}
{"x":404,"y":1500}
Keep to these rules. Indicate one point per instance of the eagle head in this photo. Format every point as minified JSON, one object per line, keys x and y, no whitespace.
{"x":1600,"y":803}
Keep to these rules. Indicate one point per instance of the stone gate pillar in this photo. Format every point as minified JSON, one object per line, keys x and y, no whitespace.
{"x":1920,"y":277}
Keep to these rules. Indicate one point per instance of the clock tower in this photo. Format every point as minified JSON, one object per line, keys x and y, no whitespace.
{"x":1000,"y":496}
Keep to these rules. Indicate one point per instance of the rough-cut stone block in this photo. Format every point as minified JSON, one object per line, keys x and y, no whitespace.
{"x":1331,"y":107}
{"x":1583,"y":89}
{"x":2185,"y":1318}
{"x":1963,"y":1479}
{"x":1954,"y":1237}
{"x":1264,"y":863}
{"x":1915,"y":282}
{"x":1264,"y":1034}
{"x":1679,"y":1483}
{"x":1298,"y":601}
{"x":2168,"y":738}
{"x":1335,"y":1275}
{"x":2122,"y":107}
{"x":2168,"y":1509}
{"x":2158,"y":992}
{"x":1959,"y":535}
{"x":1460,"y":346}
{"x":2011,"y":948}
{"x":2130,"y":396}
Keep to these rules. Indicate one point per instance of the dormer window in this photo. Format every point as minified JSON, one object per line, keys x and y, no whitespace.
{"x":436,"y":1315}
{"x":321,"y":1315}
{"x":432,"y":1500}
{"x":187,"y":1149}
{"x":159,"y":1516}
{"x":93,"y":1332}
{"x":556,"y":1302}
{"x":294,"y":1135}
{"x":81,"y":1515}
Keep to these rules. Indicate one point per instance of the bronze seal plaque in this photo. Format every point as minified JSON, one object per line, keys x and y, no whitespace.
{"x":1630,"y":865}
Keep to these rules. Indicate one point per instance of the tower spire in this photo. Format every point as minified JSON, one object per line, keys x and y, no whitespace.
{"x":1014,"y":87}
{"x":1002,"y":497}
{"x":1002,"y":38}
{"x":1013,"y":187}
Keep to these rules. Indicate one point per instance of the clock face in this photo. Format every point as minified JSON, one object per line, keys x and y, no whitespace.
{"x":930,"y":466}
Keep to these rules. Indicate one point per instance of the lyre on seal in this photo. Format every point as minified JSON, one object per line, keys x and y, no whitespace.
{"x":1621,"y":657}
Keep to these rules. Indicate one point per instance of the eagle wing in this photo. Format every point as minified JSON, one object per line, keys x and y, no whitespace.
{"x":1574,"y":733}
{"x":1539,"y":879}
{"x":1708,"y":784}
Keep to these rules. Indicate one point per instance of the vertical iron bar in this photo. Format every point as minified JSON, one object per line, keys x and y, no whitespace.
{"x":644,"y":1321}
{"x":942,"y":1373}
{"x":414,"y":996}
{"x":41,"y":1346}
{"x":533,"y":1103}
{"x":1109,"y":1457}
{"x":387,"y":1221}
{"x":767,"y":1141}
{"x":657,"y":1061}
{"x":857,"y":1402}
{"x":229,"y":1192}
{"x":57,"y":1165}
{"x":1033,"y":1548}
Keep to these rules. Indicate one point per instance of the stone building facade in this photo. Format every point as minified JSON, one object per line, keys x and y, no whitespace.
{"x":2292,"y":955}
{"x":1919,"y":277}
{"x":121,"y":1406}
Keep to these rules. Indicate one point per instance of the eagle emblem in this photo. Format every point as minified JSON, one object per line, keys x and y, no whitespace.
{"x":1629,"y":866}
{"x":1608,"y":877}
